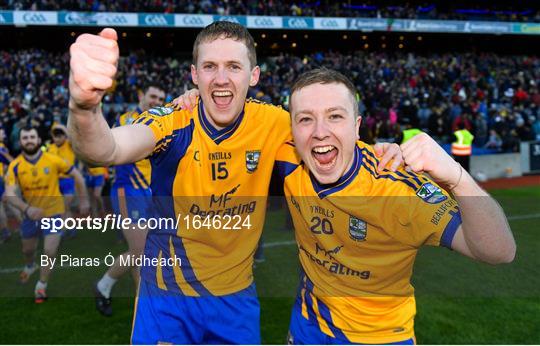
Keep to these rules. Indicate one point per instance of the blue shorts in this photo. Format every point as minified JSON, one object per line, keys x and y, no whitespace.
{"x":303,"y":331}
{"x":164,"y":317}
{"x":2,"y":187}
{"x":136,"y":203}
{"x":33,"y":228}
{"x":93,"y":181}
{"x":67,"y":186}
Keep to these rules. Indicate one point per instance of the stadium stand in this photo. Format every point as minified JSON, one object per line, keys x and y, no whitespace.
{"x":496,"y":97}
{"x":523,"y":11}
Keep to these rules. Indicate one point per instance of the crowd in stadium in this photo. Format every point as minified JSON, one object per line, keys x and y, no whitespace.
{"x":497,"y":98}
{"x":386,"y":9}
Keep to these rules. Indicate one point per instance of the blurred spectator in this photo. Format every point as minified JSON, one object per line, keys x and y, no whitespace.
{"x":480,"y":130}
{"x":494,"y":141}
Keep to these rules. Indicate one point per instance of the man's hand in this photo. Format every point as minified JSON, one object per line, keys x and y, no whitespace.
{"x":94,"y":59}
{"x":390,"y":152}
{"x":34,"y":213}
{"x":186,"y":101}
{"x":423,"y":154}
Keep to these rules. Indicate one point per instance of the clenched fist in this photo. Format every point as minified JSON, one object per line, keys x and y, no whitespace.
{"x":423,"y":154}
{"x":93,"y":63}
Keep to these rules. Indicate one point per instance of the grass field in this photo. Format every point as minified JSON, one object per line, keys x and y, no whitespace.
{"x":458,"y":301}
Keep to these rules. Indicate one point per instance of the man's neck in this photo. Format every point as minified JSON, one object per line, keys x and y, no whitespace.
{"x":32,"y":157}
{"x":213,"y":123}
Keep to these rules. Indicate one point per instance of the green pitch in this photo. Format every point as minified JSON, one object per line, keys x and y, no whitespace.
{"x":459,"y":301}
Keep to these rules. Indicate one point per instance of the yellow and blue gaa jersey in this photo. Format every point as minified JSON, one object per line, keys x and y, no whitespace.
{"x":137,"y":174}
{"x":223,"y":174}
{"x":4,"y":162}
{"x":38,"y":181}
{"x":357,"y":242}
{"x":65,"y":151}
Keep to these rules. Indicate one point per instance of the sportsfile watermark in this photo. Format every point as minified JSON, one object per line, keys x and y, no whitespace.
{"x":117,"y":221}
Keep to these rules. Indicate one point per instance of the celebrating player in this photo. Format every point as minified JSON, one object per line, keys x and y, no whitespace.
{"x":130,"y":196}
{"x":218,"y":156}
{"x":36,"y":174}
{"x":358,"y":230}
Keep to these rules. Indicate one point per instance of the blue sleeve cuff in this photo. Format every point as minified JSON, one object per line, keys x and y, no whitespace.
{"x":451,"y":229}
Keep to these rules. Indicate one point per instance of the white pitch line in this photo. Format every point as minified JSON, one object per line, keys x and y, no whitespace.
{"x":10,"y":270}
{"x":524,"y":217}
{"x":279,"y":243}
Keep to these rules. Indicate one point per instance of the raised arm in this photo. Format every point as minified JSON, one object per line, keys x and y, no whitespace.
{"x":94,"y":59}
{"x":484,"y":234}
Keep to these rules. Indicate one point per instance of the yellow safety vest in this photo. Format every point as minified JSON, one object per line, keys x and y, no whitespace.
{"x":410,"y":133}
{"x":463,"y":145}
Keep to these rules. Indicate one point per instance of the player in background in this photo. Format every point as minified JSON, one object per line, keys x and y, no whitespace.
{"x":130,"y":194}
{"x":35,"y":173}
{"x":358,"y":230}
{"x":220,"y":154}
{"x":61,"y":147}
{"x":95,"y":181}
{"x":5,"y":159}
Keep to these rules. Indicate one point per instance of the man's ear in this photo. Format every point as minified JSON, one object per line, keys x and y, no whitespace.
{"x":357,"y":125}
{"x":255,"y":74}
{"x":194,"y":76}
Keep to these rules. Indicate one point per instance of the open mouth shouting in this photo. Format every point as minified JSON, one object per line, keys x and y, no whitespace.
{"x":222,"y":98}
{"x":325,"y":157}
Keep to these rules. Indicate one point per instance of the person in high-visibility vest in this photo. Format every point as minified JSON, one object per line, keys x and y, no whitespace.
{"x":462,"y":146}
{"x":409,"y":133}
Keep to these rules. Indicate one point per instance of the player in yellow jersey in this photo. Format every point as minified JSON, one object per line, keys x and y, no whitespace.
{"x":358,"y":230}
{"x":130,"y":197}
{"x":35,"y":174}
{"x":61,"y":147}
{"x":217,"y":159}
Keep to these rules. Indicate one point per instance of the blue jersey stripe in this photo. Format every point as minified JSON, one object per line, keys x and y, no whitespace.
{"x":311,"y":311}
{"x":164,"y":172}
{"x":70,"y":169}
{"x":187,"y":270}
{"x":166,"y":139}
{"x":284,"y":168}
{"x":325,"y":314}
{"x":16,"y":170}
{"x":386,"y":176}
{"x":140,"y":176}
{"x":375,"y":163}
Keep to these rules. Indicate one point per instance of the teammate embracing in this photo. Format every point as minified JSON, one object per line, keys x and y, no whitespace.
{"x":358,"y":230}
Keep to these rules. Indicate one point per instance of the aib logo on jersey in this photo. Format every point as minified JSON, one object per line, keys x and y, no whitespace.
{"x":252,"y":160}
{"x":431,"y":194}
{"x":357,"y":229}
